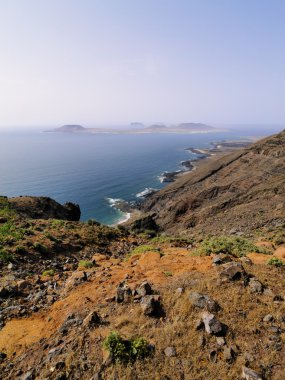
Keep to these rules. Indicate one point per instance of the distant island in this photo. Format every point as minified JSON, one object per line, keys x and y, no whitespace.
{"x":139,"y":128}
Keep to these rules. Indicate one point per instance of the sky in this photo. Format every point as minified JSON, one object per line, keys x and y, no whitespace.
{"x":112,"y":62}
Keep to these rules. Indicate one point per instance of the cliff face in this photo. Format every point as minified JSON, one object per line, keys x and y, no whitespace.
{"x":244,"y":190}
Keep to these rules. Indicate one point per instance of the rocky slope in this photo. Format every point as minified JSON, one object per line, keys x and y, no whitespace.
{"x":242,"y":191}
{"x":79,"y":300}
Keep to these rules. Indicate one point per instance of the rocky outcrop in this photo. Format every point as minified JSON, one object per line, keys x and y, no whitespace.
{"x":44,"y":208}
{"x":243,"y":190}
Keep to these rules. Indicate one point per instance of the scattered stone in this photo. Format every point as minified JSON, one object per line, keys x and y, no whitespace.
{"x":203,"y":301}
{"x":3,"y":356}
{"x":170,"y":351}
{"x":232,"y":271}
{"x":246,"y":260}
{"x":124,"y":293}
{"x":255,"y":286}
{"x":10,"y":266}
{"x":144,"y":289}
{"x":268,"y":292}
{"x":70,"y":322}
{"x":76,"y":279}
{"x":211,"y":323}
{"x":22,"y":284}
{"x":179,"y":291}
{"x":250,"y":374}
{"x":268,"y":318}
{"x":229,"y":354}
{"x":151,"y":306}
{"x":213,"y":355}
{"x":220,"y":341}
{"x":92,"y":320}
{"x":221,"y":258}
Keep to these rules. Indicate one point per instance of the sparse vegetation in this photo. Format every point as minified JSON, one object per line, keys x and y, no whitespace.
{"x":48,"y":272}
{"x":235,"y":246}
{"x":144,"y":248}
{"x":5,"y":257}
{"x":85,"y":264}
{"x":124,"y":350}
{"x":39,"y":247}
{"x":177,"y":241}
{"x":276,"y":262}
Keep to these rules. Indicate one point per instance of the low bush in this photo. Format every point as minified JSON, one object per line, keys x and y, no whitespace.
{"x":85,"y":264}
{"x":276,"y":262}
{"x":124,"y":350}
{"x":20,"y":249}
{"x":48,"y":272}
{"x":5,"y":257}
{"x":235,"y":246}
{"x":40,"y":248}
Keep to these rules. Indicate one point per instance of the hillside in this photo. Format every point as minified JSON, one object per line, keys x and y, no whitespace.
{"x":242,"y":191}
{"x":79,"y":300}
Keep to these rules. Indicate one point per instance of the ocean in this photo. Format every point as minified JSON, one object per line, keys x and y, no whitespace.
{"x":93,"y":170}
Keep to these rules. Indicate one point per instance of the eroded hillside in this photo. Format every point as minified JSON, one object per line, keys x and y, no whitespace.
{"x":84,"y":301}
{"x":240,"y":192}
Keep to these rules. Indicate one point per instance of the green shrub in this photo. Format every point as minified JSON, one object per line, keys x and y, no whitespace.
{"x":40,"y":248}
{"x":235,"y":246}
{"x":124,"y":350}
{"x":276,"y":262}
{"x":85,"y":264}
{"x":51,"y":237}
{"x":48,"y":272}
{"x":5,"y":257}
{"x":20,"y":249}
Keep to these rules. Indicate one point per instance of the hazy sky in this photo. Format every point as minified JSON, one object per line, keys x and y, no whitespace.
{"x":116,"y":61}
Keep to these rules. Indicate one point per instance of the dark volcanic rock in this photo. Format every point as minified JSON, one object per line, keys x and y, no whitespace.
{"x":44,"y":208}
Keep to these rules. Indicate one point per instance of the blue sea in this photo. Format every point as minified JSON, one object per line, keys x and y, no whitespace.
{"x":93,"y":170}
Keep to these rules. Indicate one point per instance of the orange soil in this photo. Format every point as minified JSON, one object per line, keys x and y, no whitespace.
{"x":18,"y":334}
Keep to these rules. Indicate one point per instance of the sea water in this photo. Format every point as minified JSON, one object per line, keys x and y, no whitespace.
{"x":93,"y":170}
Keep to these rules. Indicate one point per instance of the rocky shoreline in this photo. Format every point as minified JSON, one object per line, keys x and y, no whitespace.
{"x":217,"y":150}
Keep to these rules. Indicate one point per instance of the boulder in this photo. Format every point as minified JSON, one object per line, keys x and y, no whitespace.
{"x":211,"y":323}
{"x":124,"y":293}
{"x":145,"y":224}
{"x":76,"y":279}
{"x":151,"y":306}
{"x":203,"y":301}
{"x":92,"y":320}
{"x":231,"y":271}
{"x":255,"y":286}
{"x":44,"y":208}
{"x":250,"y":374}
{"x":144,"y":289}
{"x":221,"y":258}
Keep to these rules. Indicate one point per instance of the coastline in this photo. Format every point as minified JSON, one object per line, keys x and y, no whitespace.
{"x":131,"y":210}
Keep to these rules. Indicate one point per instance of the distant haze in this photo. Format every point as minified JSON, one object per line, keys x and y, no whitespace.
{"x":107,"y":63}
